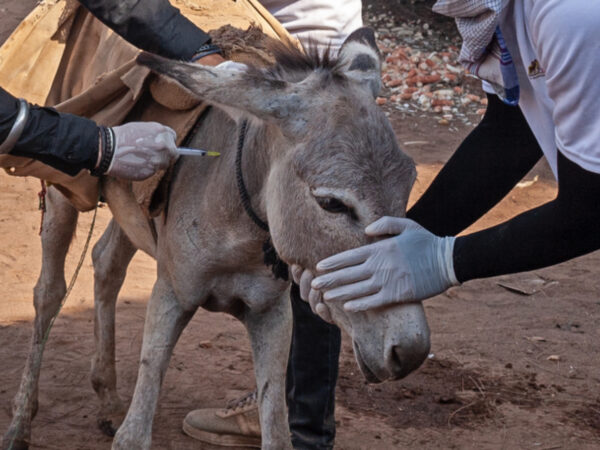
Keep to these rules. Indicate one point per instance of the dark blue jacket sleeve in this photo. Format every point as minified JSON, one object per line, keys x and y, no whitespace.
{"x":63,"y":141}
{"x":152,"y":25}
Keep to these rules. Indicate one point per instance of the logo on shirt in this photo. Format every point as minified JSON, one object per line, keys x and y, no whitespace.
{"x":535,"y":70}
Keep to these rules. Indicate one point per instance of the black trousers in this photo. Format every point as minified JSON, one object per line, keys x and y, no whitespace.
{"x":311,"y":377}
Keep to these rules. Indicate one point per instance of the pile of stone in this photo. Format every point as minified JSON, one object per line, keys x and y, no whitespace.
{"x":421,"y":73}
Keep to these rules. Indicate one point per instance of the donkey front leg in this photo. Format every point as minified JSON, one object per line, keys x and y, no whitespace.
{"x":165,"y":320}
{"x":111,"y":256}
{"x":270,"y":333}
{"x":59,"y":226}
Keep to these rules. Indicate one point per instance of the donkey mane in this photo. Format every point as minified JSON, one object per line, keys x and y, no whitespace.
{"x":292,"y":60}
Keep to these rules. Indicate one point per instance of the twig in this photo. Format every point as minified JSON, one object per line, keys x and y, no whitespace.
{"x":480,"y":388}
{"x":458,"y":410}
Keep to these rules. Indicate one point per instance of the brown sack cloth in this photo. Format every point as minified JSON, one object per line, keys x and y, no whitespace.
{"x":61,"y":55}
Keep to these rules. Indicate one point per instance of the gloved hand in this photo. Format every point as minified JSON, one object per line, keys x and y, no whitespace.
{"x":303,"y":278}
{"x":412,"y":266}
{"x":233,"y":66}
{"x":142,"y":149}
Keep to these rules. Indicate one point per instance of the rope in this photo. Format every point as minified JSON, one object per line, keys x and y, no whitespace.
{"x":245,"y":197}
{"x":270,"y":256}
{"x":42,"y":204}
{"x":38,"y":362}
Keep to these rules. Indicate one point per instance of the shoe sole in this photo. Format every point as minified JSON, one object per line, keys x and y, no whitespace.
{"x":224,"y":440}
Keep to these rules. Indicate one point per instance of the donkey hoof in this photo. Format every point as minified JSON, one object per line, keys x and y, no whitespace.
{"x":107,"y":427}
{"x":110,"y":418}
{"x":9,"y":443}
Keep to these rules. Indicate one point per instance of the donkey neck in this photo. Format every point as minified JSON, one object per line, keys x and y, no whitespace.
{"x":252,"y":164}
{"x":215,"y":179}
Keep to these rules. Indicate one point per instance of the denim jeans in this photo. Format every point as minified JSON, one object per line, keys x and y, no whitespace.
{"x":311,"y":377}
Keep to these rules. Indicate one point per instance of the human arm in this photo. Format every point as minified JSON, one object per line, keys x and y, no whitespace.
{"x":415,"y":264}
{"x":557,"y":231}
{"x":472,"y":181}
{"x":63,"y":141}
{"x":152,"y":25}
{"x":70,"y":143}
{"x":487,"y":164}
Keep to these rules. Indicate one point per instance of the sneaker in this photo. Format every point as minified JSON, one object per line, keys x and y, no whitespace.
{"x":235,"y":426}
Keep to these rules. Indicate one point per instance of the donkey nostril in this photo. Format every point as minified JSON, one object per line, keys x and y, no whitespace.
{"x":404,"y":359}
{"x":396,"y":360}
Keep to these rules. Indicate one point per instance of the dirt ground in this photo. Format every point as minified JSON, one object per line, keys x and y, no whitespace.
{"x":489,"y":382}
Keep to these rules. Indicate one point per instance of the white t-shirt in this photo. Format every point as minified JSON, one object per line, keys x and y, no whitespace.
{"x":555,"y":45}
{"x":321,"y":21}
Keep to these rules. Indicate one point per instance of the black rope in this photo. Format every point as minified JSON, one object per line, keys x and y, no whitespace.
{"x":240,"y":181}
{"x":270,"y":256}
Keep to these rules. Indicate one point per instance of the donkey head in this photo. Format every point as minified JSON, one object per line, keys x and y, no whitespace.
{"x":335,"y":167}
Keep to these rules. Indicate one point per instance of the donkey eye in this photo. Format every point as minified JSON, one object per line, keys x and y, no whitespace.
{"x":336,"y":206}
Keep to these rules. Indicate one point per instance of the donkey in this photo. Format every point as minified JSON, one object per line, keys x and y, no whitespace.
{"x":313,"y":161}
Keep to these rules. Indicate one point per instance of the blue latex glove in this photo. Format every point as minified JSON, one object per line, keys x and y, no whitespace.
{"x":412,"y":266}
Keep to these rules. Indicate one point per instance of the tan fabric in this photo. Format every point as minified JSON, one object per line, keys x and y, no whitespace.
{"x":61,"y":55}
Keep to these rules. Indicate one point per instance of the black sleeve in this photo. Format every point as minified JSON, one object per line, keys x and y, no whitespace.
{"x":64,"y":141}
{"x":564,"y":228}
{"x":152,"y":25}
{"x":484,"y":168}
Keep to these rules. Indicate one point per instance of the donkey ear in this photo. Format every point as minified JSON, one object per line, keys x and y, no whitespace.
{"x":231,"y":88}
{"x":361,"y":59}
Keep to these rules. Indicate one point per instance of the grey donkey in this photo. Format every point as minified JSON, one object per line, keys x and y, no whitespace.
{"x":320,"y":161}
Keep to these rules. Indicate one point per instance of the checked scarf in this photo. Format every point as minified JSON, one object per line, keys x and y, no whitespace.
{"x":484,"y":53}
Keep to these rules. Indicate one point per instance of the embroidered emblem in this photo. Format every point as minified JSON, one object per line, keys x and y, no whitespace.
{"x":535,"y":70}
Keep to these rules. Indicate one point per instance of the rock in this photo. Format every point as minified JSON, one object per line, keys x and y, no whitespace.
{"x":424,"y":101}
{"x":454,"y":69}
{"x":426,"y":79}
{"x":438,"y":102}
{"x":466,"y":396}
{"x":446,"y":399}
{"x":443,"y":94}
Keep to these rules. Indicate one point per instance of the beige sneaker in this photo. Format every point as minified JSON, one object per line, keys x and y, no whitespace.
{"x":235,"y":426}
